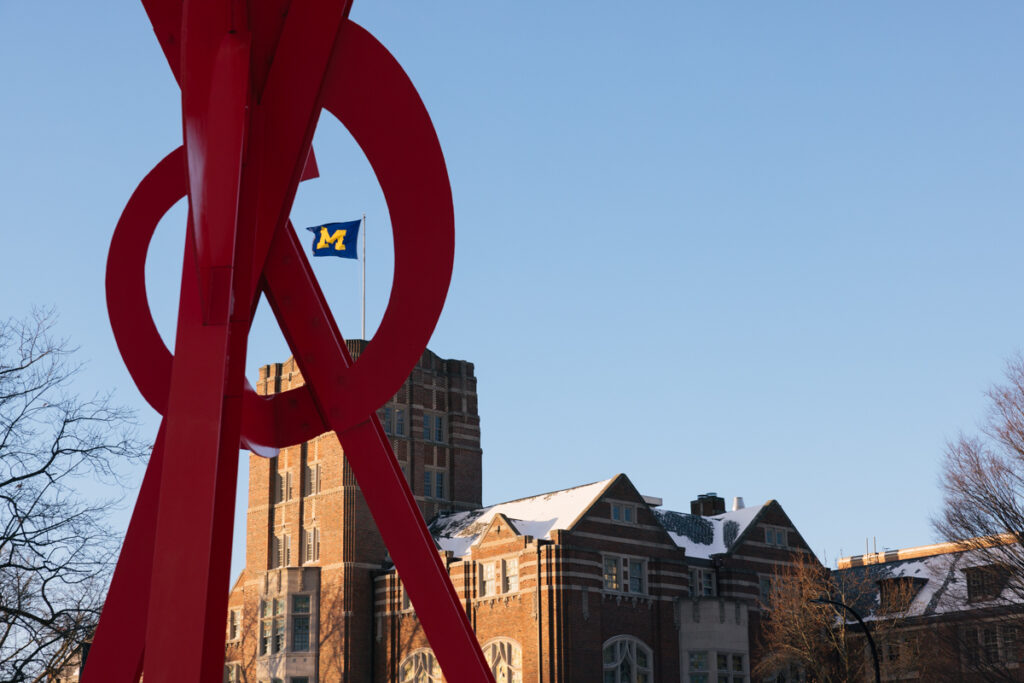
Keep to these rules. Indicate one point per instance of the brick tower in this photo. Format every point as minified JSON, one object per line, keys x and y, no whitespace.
{"x":302,"y":609}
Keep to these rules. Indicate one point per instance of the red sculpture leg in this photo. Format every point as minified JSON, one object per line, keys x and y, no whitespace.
{"x":120,"y":638}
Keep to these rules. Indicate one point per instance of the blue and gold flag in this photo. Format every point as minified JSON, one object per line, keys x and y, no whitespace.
{"x":336,"y":239}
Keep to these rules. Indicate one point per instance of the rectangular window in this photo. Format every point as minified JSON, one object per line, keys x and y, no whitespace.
{"x":971,"y":649}
{"x":287,"y":485}
{"x":985,"y":583}
{"x":510,"y":574}
{"x":385,"y":419}
{"x":427,"y":422}
{"x":299,"y":679}
{"x":311,"y":479}
{"x":1009,"y":636}
{"x":433,"y":482}
{"x":990,"y":645}
{"x":775,"y":536}
{"x":300,"y":633}
{"x":311,"y":549}
{"x":626,"y":574}
{"x":399,"y":421}
{"x":234,"y":624}
{"x":611,"y":574}
{"x":702,"y":582}
{"x":623,"y":513}
{"x":487,"y":580}
{"x":637,"y":577}
{"x":279,"y":619}
{"x":232,"y":672}
{"x":272,"y":622}
{"x":278,"y":488}
{"x":765,"y":587}
{"x":438,"y":429}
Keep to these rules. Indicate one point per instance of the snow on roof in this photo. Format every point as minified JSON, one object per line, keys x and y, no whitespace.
{"x":536,"y":516}
{"x":706,"y":536}
{"x":943,"y":584}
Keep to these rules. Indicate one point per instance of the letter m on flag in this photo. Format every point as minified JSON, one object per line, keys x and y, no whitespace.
{"x":336,"y":239}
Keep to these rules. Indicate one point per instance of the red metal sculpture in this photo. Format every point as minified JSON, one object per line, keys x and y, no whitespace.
{"x":254,"y":78}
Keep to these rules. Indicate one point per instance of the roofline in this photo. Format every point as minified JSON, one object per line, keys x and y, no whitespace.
{"x":594,"y":500}
{"x":750,"y":524}
{"x":925,"y":551}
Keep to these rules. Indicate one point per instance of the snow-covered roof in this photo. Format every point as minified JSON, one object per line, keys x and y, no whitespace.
{"x":536,"y":516}
{"x":941,"y":578}
{"x":707,"y":536}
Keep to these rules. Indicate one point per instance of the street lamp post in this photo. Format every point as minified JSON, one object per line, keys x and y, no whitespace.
{"x":871,"y":641}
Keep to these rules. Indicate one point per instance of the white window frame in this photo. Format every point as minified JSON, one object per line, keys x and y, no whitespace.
{"x":624,"y":567}
{"x":700,"y":579}
{"x":489,"y":578}
{"x":510,"y":575}
{"x":311,"y":544}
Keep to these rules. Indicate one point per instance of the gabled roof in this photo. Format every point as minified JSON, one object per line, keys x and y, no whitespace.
{"x":706,"y":536}
{"x":536,"y":516}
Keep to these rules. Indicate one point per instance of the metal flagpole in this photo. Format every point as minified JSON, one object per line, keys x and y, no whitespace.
{"x":364,"y":277}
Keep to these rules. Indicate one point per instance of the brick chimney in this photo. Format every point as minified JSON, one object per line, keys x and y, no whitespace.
{"x":707,"y":505}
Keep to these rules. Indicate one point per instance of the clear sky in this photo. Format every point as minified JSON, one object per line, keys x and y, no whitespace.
{"x":764,"y":249}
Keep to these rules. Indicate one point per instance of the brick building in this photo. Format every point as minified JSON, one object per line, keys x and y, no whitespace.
{"x":942,"y":612}
{"x":595,"y":582}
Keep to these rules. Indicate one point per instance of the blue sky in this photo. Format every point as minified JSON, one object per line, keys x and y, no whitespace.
{"x":763,"y":249}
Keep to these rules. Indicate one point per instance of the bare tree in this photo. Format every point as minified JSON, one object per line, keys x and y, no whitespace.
{"x":983,"y":512}
{"x":805,"y":636}
{"x":56,"y":548}
{"x":801,"y":635}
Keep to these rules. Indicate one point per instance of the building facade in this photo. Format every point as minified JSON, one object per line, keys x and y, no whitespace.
{"x":302,"y":609}
{"x":595,"y":582}
{"x":942,"y":612}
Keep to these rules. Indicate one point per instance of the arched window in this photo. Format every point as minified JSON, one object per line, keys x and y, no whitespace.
{"x":420,"y":667}
{"x":627,"y":660}
{"x":506,"y":660}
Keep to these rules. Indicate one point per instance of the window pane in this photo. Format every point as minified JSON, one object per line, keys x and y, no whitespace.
{"x":737,"y":662}
{"x":400,"y":422}
{"x":439,"y":484}
{"x":723,"y":662}
{"x":300,"y":604}
{"x":426,"y":428}
{"x":438,"y":429}
{"x":426,"y":483}
{"x":278,"y":634}
{"x":611,"y":573}
{"x":627,"y":513}
{"x":699,"y":660}
{"x":300,"y":633}
{"x":616,"y":512}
